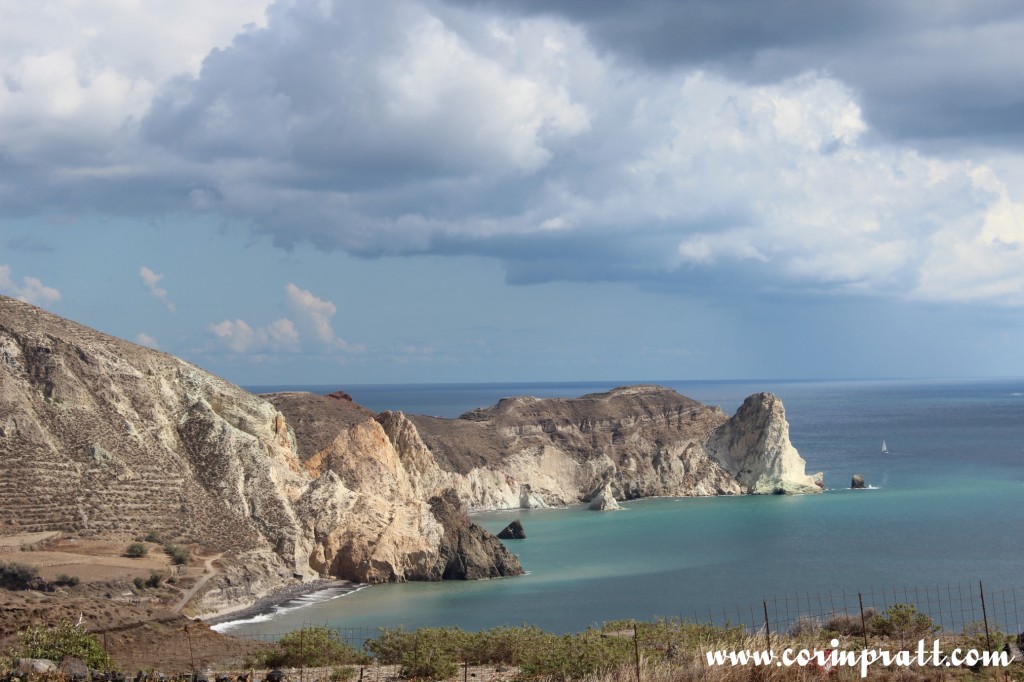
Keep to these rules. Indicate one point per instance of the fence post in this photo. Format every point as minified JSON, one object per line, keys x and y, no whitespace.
{"x":863,"y":622}
{"x":767,"y":628}
{"x":636,"y":652}
{"x":984,"y":615}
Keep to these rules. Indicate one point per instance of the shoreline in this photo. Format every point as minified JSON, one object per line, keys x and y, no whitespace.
{"x":266,"y":604}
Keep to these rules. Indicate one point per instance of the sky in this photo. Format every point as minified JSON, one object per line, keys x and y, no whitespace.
{"x":394,"y":191}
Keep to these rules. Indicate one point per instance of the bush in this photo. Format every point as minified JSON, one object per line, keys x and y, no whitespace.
{"x":849,"y":625}
{"x":974,"y":633}
{"x":154,"y":580}
{"x":315,"y":646}
{"x":903,"y":623}
{"x":806,"y":627}
{"x":139,"y":583}
{"x":343,"y":674}
{"x":179,"y":555}
{"x":392,"y":646}
{"x":66,"y":580}
{"x":55,"y":642}
{"x":136,"y":550}
{"x":435,"y":653}
{"x":575,"y":657}
{"x":15,"y":576}
{"x":427,"y":664}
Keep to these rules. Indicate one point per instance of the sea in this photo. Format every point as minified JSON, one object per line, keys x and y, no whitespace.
{"x":944,"y":509}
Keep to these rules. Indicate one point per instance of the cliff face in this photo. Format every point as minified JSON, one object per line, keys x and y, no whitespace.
{"x":101,"y":437}
{"x":635,"y":441}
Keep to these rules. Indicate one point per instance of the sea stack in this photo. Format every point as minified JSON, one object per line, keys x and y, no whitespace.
{"x":513,"y":531}
{"x":754,"y":446}
{"x":603,"y":500}
{"x":857,"y":483}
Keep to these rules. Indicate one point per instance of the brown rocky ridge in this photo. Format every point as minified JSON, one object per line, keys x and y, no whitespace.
{"x":102,"y":438}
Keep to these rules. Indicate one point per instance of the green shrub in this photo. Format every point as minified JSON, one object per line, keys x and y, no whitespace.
{"x":435,"y":653}
{"x":343,"y":674}
{"x":314,"y":647}
{"x":391,"y":646}
{"x":136,"y":550}
{"x":903,"y":623}
{"x":152,"y":536}
{"x":56,"y":641}
{"x":427,"y":664}
{"x":574,"y":657}
{"x":179,"y":555}
{"x":974,"y":634}
{"x":15,"y":576}
{"x":154,"y":580}
{"x":139,"y":583}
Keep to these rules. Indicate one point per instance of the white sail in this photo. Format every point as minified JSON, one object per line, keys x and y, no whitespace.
{"x":885,"y":450}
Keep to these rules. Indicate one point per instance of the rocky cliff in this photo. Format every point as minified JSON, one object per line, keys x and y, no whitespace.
{"x":631,"y":442}
{"x":101,"y":437}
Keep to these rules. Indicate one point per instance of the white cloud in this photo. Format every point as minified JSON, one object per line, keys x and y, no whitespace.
{"x":981,"y":259}
{"x":313,"y":313}
{"x":151,"y":281}
{"x":79,"y":75}
{"x":282,"y":335}
{"x":31,"y":289}
{"x":239,"y":337}
{"x":144,"y":339}
{"x":235,"y":335}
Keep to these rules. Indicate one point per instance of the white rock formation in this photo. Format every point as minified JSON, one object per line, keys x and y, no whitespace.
{"x":754,"y":446}
{"x":603,"y":499}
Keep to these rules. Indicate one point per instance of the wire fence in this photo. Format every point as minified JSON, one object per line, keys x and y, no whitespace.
{"x":991,"y":617}
{"x":953,"y":608}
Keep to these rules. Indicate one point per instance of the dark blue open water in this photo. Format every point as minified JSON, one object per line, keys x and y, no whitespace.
{"x":949,"y":508}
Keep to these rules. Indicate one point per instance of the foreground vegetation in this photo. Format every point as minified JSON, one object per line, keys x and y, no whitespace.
{"x":621,"y":651}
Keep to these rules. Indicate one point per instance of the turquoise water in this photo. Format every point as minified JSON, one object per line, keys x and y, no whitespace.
{"x":948,"y":508}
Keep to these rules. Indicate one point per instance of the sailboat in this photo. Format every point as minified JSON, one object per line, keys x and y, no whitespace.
{"x":885,"y":450}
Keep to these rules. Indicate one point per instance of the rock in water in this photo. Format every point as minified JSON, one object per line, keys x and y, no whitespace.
{"x":513,"y":531}
{"x":467,"y":551}
{"x":603,"y":500}
{"x":857,"y":483}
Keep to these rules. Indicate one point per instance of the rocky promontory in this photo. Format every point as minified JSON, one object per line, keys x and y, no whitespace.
{"x":102,"y":438}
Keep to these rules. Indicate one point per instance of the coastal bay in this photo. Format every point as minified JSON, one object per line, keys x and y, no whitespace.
{"x":947,"y":498}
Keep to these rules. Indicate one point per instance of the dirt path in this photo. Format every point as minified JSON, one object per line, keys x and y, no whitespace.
{"x":210,"y":572}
